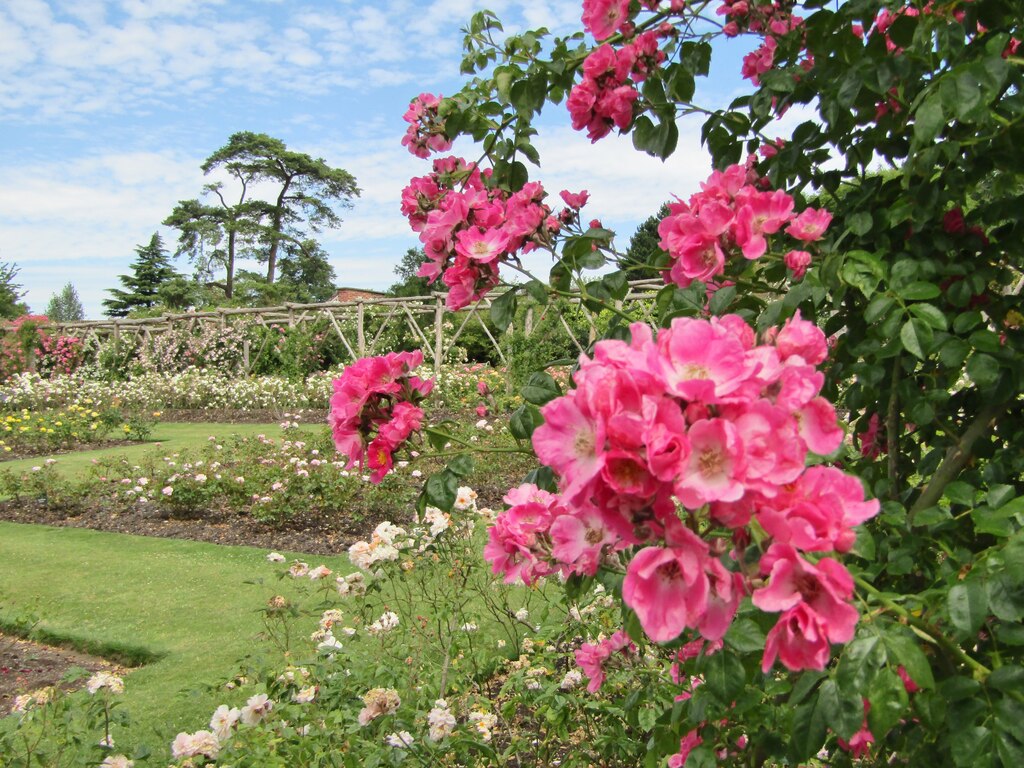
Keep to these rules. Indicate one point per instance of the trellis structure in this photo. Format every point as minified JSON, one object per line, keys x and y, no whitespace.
{"x":359,"y":324}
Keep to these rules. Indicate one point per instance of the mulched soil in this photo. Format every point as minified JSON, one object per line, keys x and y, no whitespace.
{"x":308,"y":532}
{"x":26,"y":667}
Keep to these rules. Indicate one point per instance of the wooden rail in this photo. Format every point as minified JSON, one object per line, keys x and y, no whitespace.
{"x":359,"y":324}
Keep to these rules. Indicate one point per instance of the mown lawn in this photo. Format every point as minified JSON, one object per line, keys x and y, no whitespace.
{"x":165,"y":439}
{"x":186,"y":602}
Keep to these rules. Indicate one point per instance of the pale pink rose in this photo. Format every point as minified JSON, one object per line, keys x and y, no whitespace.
{"x":810,"y":225}
{"x":256,"y":709}
{"x":668,"y":587}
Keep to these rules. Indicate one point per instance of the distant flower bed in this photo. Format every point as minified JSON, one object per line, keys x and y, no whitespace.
{"x":33,"y":432}
{"x":458,"y":386}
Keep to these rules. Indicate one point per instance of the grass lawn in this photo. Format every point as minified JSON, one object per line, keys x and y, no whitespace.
{"x":171,"y":436}
{"x":183,"y":601}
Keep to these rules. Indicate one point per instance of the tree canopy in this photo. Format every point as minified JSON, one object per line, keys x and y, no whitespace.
{"x":65,"y":306}
{"x":644,"y":254}
{"x":410,"y":283}
{"x":306,"y":193}
{"x":10,"y":293}
{"x":141,"y":289}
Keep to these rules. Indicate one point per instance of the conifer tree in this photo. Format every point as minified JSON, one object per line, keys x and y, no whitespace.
{"x":141,"y":289}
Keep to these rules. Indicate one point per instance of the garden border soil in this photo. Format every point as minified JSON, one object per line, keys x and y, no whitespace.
{"x":302,"y":533}
{"x":27,"y":666}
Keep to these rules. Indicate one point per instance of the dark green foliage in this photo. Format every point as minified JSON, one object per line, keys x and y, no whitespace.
{"x":10,"y":293}
{"x":644,"y":257}
{"x":306,"y":193}
{"x":141,"y":289}
{"x":409,"y":284}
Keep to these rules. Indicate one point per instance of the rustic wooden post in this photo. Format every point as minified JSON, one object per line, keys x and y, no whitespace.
{"x":360,"y":331}
{"x":117,"y":340}
{"x":245,"y":355}
{"x":438,"y":334}
{"x":30,"y":360}
{"x":528,"y":322}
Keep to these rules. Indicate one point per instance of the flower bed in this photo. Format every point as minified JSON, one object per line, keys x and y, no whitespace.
{"x":28,"y":433}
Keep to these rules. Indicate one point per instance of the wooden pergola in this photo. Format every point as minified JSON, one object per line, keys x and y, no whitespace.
{"x":359,"y":324}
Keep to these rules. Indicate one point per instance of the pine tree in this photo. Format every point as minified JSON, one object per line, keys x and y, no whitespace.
{"x":65,"y":306}
{"x":10,"y":293}
{"x":141,"y":289}
{"x":644,"y":258}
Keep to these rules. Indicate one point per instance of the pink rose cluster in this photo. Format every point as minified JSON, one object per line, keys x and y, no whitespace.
{"x":700,"y":429}
{"x":603,"y":18}
{"x":773,"y":20}
{"x":468,"y":228}
{"x":374,"y":409}
{"x":425,"y":133}
{"x":592,"y":657}
{"x":733,"y":215}
{"x":606,"y":96}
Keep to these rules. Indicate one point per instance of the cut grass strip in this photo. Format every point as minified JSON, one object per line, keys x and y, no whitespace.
{"x":184,"y":603}
{"x":171,"y":436}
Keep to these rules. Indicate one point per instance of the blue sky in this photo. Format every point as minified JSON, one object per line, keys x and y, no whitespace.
{"x":108,"y":108}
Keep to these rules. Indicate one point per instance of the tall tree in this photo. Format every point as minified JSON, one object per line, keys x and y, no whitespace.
{"x":644,"y":255}
{"x":215,"y":236}
{"x":65,"y":306}
{"x":10,"y":293}
{"x":305,"y":269}
{"x":141,"y":289}
{"x":306,"y":192}
{"x":409,"y":282}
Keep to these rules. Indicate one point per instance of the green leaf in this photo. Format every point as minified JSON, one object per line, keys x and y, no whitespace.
{"x":538,"y":291}
{"x":1006,"y":597}
{"x":862,"y":270}
{"x":518,"y":175}
{"x":930,"y":314}
{"x":724,"y":676}
{"x":541,"y":389}
{"x":983,"y":369}
{"x":958,"y":688}
{"x":524,"y":421}
{"x":917,"y":338}
{"x":968,"y":605}
{"x":721,"y":299}
{"x":462,"y":465}
{"x":960,"y":492}
{"x":658,"y":140}
{"x":995,"y":522}
{"x":441,"y":490}
{"x":960,"y":94}
{"x":617,"y":285}
{"x":860,"y":223}
{"x":808,"y":732}
{"x":969,"y":744}
{"x":745,"y":636}
{"x":889,"y":702}
{"x":503,"y":309}
{"x":878,"y":307}
{"x":543,"y":478}
{"x":904,"y":650}
{"x":919,"y":291}
{"x":860,"y":662}
{"x":1008,"y":678}
{"x":929,"y":119}
{"x":647,"y":717}
{"x":953,"y":352}
{"x":843,"y":708}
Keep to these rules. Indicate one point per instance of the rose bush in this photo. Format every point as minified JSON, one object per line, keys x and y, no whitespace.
{"x":692,"y":480}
